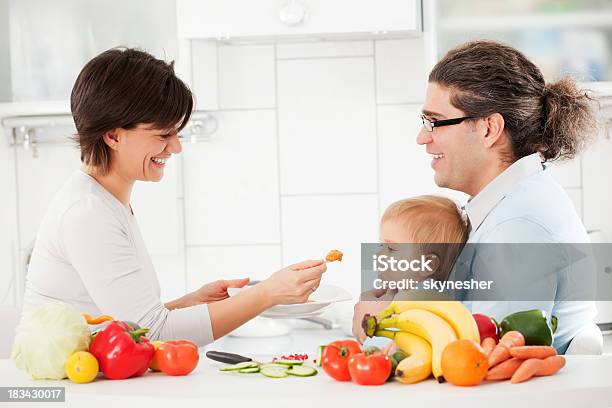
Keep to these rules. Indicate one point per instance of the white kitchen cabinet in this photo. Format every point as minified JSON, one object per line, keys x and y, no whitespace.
{"x":271,"y":19}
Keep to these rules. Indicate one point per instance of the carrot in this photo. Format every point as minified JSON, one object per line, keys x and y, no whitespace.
{"x":551,"y":365}
{"x":501,"y":352}
{"x":504,"y":371}
{"x":536,"y":367}
{"x":96,"y":320}
{"x":488,"y":344}
{"x":527,"y":352}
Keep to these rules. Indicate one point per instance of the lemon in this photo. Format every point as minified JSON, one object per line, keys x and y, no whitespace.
{"x":82,"y":367}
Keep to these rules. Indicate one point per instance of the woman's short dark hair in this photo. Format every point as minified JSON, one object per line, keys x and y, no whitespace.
{"x":122,"y":88}
{"x":486,"y":77}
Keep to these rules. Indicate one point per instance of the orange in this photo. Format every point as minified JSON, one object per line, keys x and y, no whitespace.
{"x":464,"y":363}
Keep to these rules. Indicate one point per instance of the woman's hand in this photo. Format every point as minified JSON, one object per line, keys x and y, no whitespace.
{"x":211,"y":292}
{"x":217,"y":290}
{"x":295,"y":283}
{"x":370,"y":302}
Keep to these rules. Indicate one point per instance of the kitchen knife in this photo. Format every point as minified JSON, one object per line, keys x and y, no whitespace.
{"x":228,"y":358}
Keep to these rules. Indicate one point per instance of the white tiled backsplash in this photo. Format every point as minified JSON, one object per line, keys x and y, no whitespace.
{"x":314,"y":140}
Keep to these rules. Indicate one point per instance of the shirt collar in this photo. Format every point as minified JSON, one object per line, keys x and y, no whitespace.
{"x":479,"y":206}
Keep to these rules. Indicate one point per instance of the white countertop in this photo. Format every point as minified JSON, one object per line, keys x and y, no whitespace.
{"x":585,"y":381}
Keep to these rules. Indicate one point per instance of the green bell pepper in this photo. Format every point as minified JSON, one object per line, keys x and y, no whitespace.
{"x":533,"y":324}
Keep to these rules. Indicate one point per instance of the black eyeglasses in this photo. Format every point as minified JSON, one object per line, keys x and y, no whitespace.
{"x":431,"y":124}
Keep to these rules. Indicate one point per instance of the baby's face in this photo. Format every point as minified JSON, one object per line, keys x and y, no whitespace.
{"x":394,"y":233}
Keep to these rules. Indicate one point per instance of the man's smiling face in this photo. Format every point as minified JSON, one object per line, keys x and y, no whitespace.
{"x":457,"y":151}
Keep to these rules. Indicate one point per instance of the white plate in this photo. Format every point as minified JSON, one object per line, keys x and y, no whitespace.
{"x":290,"y":316}
{"x":324,"y":296}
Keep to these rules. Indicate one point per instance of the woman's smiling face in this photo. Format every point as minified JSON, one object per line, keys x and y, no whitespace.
{"x":142,"y":152}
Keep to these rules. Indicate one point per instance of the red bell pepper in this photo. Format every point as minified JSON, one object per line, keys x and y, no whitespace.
{"x":121,"y":351}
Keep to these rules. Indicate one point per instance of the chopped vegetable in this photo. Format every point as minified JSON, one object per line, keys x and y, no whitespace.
{"x":302,"y":371}
{"x":239,"y":366}
{"x":274,"y":371}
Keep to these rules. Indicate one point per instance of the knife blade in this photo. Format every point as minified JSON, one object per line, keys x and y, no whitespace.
{"x":228,"y":358}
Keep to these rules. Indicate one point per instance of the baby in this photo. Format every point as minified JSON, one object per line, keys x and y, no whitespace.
{"x":432,"y":225}
{"x":436,"y":229}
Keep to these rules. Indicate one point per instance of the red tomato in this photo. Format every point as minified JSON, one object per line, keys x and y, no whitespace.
{"x":177,"y":357}
{"x":487,"y":327}
{"x":373,"y":369}
{"x":336,"y":356}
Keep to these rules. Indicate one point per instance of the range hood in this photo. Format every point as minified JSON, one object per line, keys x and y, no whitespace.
{"x":281,"y":21}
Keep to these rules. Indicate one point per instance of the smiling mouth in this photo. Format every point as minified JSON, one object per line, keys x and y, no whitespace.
{"x":437,"y":155}
{"x":158,"y":160}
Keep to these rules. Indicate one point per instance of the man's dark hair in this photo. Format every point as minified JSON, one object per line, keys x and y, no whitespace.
{"x":122,"y":88}
{"x":486,"y":77}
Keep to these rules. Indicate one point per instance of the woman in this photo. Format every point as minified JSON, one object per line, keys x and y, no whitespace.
{"x":490,"y":121}
{"x":128,"y":108}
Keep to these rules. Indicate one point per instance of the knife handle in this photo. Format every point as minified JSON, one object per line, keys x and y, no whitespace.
{"x":227,"y":358}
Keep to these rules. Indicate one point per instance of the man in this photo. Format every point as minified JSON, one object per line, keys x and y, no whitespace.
{"x":489,"y":121}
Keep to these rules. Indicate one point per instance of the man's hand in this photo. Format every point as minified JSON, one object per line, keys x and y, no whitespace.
{"x":370,"y":302}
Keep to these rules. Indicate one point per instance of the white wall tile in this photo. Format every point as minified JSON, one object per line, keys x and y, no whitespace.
{"x":597,"y":168}
{"x":170,"y":270}
{"x":400,"y":71}
{"x":38,"y":179}
{"x":8,"y":220}
{"x":325,"y":49}
{"x":405,"y":169}
{"x":314,"y":225}
{"x":246,"y":77}
{"x":155,"y":207}
{"x":567,"y":173}
{"x":231,"y":182}
{"x":327,"y":126}
{"x":207,"y":264}
{"x":204,"y":73}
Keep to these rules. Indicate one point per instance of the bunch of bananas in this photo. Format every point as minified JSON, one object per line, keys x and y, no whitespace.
{"x":422,"y":329}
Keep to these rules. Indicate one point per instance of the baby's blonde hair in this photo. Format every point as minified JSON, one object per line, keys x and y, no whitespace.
{"x":429,"y":219}
{"x":430,"y":222}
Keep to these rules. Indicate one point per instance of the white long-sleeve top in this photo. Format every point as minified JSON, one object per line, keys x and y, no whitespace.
{"x":89,"y":253}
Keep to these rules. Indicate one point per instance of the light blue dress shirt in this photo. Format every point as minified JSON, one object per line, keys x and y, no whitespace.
{"x":525,"y":204}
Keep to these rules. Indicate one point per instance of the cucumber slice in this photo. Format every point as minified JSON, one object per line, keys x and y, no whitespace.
{"x":249,"y":370}
{"x":320,"y":350}
{"x":240,"y":366}
{"x":302,"y":371}
{"x":289,"y":362}
{"x":274,"y":371}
